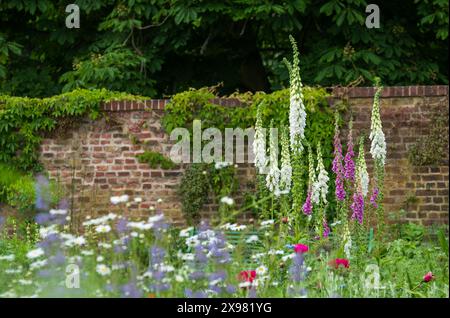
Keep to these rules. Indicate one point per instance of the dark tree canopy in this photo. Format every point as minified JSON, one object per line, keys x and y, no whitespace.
{"x":159,"y":47}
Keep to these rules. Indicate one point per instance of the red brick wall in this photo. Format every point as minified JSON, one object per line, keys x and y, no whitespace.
{"x":98,"y":159}
{"x":406,"y":112}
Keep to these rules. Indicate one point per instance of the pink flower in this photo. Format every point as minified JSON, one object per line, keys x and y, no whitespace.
{"x":349,"y":165}
{"x":307,"y":206}
{"x":247,"y":276}
{"x":340,"y":261}
{"x":374,"y":197}
{"x":338,"y":168}
{"x":428,"y":277}
{"x":301,"y":248}
{"x":326,"y":229}
{"x":358,"y":207}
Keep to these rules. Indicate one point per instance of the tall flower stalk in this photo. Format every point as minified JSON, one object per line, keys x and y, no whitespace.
{"x":308,"y":205}
{"x":273,"y":176}
{"x":320,"y":191}
{"x":297,"y":112}
{"x":378,"y":152}
{"x":286,"y":168}
{"x":349,"y":165}
{"x":286,"y":173}
{"x":320,"y":187}
{"x":338,"y":168}
{"x":361,"y":185}
{"x":378,"y":143}
{"x":297,"y":124}
{"x":259,"y":144}
{"x":362,"y":176}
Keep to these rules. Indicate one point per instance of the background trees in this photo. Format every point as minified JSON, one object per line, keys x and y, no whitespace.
{"x":159,"y":47}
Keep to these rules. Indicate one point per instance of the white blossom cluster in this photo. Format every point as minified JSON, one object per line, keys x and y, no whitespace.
{"x":320,"y":186}
{"x":297,"y":113}
{"x":347,"y":239}
{"x":259,"y":144}
{"x":378,"y":145}
{"x":273,"y":177}
{"x":286,"y":168}
{"x":227,"y":200}
{"x":362,"y":176}
{"x":222,"y":164}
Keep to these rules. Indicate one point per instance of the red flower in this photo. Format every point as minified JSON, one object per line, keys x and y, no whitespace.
{"x":340,"y":261}
{"x":301,"y":248}
{"x":428,"y":277}
{"x":247,"y":276}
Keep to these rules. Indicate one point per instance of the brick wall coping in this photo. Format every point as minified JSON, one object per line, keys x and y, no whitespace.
{"x":353,"y":92}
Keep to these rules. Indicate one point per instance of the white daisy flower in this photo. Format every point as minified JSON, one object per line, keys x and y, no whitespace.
{"x":185,"y":232}
{"x":252,"y":238}
{"x":38,"y":264}
{"x":9,"y":257}
{"x":227,"y":200}
{"x":261,"y":270}
{"x":103,"y":229}
{"x":35,"y":253}
{"x":103,"y":270}
{"x":58,"y":212}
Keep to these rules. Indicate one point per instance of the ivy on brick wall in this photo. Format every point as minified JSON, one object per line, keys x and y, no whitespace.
{"x":155,"y":159}
{"x":198,"y":104}
{"x":431,"y":149}
{"x":24,"y":121}
{"x":18,"y":189}
{"x":202,"y":181}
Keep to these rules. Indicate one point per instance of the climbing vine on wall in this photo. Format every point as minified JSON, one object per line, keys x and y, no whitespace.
{"x":24,"y":121}
{"x":203,"y":181}
{"x":197,"y":104}
{"x":431,"y":149}
{"x":155,"y":159}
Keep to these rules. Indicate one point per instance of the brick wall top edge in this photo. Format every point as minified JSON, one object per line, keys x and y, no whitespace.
{"x":353,"y":92}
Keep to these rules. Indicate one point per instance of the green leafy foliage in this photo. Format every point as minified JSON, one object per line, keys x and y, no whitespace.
{"x":18,"y":190}
{"x":192,"y":189}
{"x":140,"y":46}
{"x":7,"y":48}
{"x":202,"y":183}
{"x":155,"y":160}
{"x":398,"y":272}
{"x":432,"y":148}
{"x":196,"y":104}
{"x":24,"y":121}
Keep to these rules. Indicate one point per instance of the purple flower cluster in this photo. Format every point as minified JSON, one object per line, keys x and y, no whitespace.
{"x":130,"y":290}
{"x":337,"y":161}
{"x":340,"y":192}
{"x":157,"y":255}
{"x":307,"y":206}
{"x":297,"y":273}
{"x":349,"y":164}
{"x":358,"y":207}
{"x":326,"y":228}
{"x":42,"y":186}
{"x":337,"y":168}
{"x":210,"y":252}
{"x":374,"y":197}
